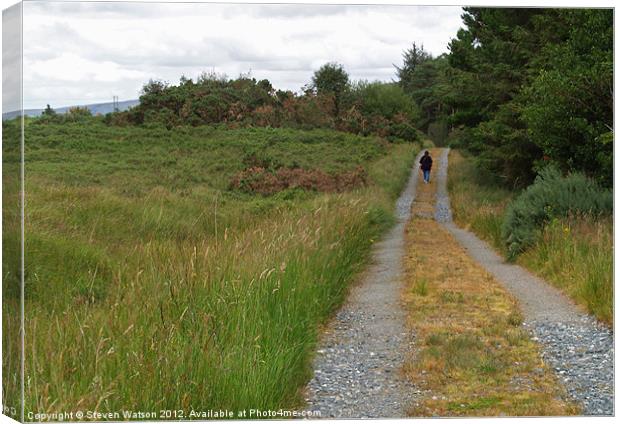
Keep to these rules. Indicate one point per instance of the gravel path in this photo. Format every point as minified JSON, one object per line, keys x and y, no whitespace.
{"x":578,"y":348}
{"x":357,"y":366}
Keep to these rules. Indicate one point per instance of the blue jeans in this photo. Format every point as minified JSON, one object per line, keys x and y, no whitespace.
{"x":427,"y":175}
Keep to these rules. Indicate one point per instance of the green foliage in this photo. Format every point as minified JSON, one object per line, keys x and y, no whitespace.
{"x":492,"y":56}
{"x":520,"y":85}
{"x":413,"y":58}
{"x":387,"y":100}
{"x":74,"y":114}
{"x":329,"y":102}
{"x":569,"y":108}
{"x":502,"y":148}
{"x":211,"y":99}
{"x":331,"y":80}
{"x":48,"y":111}
{"x":551,"y":196}
{"x":427,"y":81}
{"x":77,"y":113}
{"x":383,"y":109}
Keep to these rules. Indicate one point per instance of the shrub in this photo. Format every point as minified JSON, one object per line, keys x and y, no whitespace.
{"x":386,"y":100}
{"x":381,"y":109}
{"x":403,"y":131}
{"x":551,"y":196}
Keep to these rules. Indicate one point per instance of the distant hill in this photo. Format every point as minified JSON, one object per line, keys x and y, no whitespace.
{"x":95,"y":108}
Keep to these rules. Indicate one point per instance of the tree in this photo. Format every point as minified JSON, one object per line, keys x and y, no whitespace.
{"x":569,"y":105}
{"x":412,"y":58}
{"x":49,"y":111}
{"x":493,"y":59}
{"x":428,"y":86}
{"x":387,"y":100}
{"x":332,"y":80}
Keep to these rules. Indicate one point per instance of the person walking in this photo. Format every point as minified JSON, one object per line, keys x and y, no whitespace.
{"x":426,"y":163}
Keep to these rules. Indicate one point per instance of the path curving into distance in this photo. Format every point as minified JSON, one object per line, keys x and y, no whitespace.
{"x":357,"y":366}
{"x":574,"y":344}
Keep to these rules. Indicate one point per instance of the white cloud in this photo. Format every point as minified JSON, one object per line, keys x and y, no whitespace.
{"x":71,"y":68}
{"x":105,"y":49}
{"x":11,"y":55}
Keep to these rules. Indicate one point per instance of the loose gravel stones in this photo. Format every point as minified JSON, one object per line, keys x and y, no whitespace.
{"x":582,"y":354}
{"x":357,"y":366}
{"x":577,"y":347}
{"x":442,"y":207}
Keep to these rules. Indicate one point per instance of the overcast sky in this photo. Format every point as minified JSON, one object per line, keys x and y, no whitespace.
{"x":79,"y":53}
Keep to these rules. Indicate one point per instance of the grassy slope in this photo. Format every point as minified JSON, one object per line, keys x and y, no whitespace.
{"x":11,"y":211}
{"x":576,"y":255}
{"x":150,"y":285}
{"x":473,"y":358}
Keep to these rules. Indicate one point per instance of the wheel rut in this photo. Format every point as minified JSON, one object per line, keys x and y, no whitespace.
{"x":357,"y":369}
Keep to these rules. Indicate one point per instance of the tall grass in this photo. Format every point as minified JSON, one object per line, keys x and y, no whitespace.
{"x":182,"y":294}
{"x":11,"y":264}
{"x":575,"y":252}
{"x":476,"y":205}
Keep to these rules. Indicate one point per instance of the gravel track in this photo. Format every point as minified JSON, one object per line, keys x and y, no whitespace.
{"x":574,"y":344}
{"x":357,"y":366}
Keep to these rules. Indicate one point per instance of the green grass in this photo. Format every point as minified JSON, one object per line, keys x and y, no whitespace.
{"x":132,"y":161}
{"x":420,"y":287}
{"x":476,"y":205}
{"x":151,"y":285}
{"x":577,"y":256}
{"x":575,"y":253}
{"x":11,"y":340}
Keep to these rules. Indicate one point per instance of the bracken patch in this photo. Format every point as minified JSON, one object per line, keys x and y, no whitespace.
{"x":260,"y":180}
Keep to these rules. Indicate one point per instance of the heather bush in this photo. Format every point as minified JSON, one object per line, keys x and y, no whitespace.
{"x":551,"y":196}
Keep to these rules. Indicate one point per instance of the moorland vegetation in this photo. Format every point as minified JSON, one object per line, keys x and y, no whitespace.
{"x":192,"y":245}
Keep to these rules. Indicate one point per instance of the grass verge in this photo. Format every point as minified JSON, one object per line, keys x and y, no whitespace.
{"x":476,"y":206}
{"x":574,"y":254}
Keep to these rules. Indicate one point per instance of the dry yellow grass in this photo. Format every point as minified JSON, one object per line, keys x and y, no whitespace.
{"x":472,"y":356}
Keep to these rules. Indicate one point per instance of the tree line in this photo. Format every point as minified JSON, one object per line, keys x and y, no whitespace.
{"x":521,"y":89}
{"x":331,"y":100}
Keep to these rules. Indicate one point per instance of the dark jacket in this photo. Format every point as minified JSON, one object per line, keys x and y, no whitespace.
{"x":426,"y":163}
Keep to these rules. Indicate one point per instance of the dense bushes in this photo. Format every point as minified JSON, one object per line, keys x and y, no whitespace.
{"x":381,"y":109}
{"x":551,"y":196}
{"x":330,"y":102}
{"x":74,"y":114}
